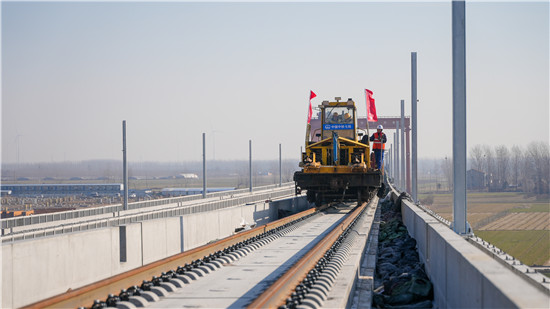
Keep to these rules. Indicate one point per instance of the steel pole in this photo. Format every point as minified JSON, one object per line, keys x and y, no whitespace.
{"x":396,"y":155}
{"x":393,"y":155}
{"x":392,"y":161}
{"x":389,"y":163}
{"x":402,"y":177}
{"x":250,"y":162}
{"x":459,"y":117}
{"x":414,"y":127}
{"x":204,"y":165}
{"x":124,"y":166}
{"x":408,"y":160}
{"x":397,"y":175}
{"x":280,"y":168}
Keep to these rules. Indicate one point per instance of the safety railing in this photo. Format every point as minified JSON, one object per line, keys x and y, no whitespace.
{"x":72,"y":214}
{"x":151,"y":215}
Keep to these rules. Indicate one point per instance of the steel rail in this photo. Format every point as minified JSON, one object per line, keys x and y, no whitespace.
{"x":86,"y":295}
{"x":278,"y":292}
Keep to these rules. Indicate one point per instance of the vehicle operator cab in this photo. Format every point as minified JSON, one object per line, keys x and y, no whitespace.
{"x":338,"y":117}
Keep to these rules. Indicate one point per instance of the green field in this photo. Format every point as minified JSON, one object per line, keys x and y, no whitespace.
{"x":530,"y":247}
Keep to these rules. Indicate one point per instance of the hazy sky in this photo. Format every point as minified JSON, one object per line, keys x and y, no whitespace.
{"x":72,"y":71}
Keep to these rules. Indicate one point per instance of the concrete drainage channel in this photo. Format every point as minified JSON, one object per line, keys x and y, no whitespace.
{"x":150,"y":291}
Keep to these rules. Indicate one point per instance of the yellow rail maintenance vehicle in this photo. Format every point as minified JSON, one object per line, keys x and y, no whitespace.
{"x":336,"y":164}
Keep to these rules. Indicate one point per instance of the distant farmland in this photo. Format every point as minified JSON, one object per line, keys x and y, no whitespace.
{"x":517,"y":224}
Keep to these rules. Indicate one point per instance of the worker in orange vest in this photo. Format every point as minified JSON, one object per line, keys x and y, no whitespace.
{"x":379,"y":140}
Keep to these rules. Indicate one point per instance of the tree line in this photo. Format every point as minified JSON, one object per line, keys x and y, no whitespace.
{"x":525,"y":169}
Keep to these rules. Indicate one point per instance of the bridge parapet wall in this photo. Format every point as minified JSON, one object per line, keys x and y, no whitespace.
{"x":463,"y":275}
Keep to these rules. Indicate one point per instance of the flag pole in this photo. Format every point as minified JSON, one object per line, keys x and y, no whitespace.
{"x":309,"y":115}
{"x":308,"y":126}
{"x":367,"y":124}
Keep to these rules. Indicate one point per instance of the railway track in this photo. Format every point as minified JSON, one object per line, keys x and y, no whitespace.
{"x":285,"y":263}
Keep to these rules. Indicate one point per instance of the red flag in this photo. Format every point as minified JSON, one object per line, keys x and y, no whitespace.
{"x":371,"y":109}
{"x":310,"y":113}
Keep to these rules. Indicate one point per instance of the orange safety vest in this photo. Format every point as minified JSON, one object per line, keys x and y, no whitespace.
{"x":377,"y":143}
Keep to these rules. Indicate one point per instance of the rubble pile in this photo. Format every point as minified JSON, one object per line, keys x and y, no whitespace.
{"x":400,"y":280}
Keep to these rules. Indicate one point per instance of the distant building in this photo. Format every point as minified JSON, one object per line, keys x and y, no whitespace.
{"x":187,"y":176}
{"x":140,"y":193}
{"x":475,"y":179}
